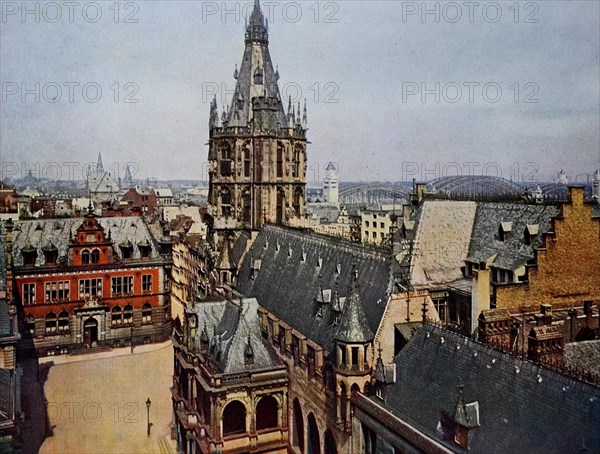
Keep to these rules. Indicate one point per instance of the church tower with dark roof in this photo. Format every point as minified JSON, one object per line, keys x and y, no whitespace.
{"x":257,"y":150}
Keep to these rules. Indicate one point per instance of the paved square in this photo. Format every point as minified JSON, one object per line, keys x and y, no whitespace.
{"x":97,"y":404}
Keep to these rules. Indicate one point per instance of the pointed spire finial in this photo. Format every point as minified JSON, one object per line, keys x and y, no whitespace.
{"x":99,"y":166}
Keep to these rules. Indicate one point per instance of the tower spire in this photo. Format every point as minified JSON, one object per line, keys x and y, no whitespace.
{"x":99,"y":166}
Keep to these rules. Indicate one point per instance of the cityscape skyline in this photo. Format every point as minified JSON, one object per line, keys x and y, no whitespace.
{"x":502,"y":100}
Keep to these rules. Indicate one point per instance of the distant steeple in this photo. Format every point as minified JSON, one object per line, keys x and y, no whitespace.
{"x":128,"y":179}
{"x":99,"y":166}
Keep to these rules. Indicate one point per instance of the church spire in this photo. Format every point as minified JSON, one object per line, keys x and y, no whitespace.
{"x":99,"y":166}
{"x":257,"y":32}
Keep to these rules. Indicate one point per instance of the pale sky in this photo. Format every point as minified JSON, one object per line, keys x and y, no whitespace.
{"x":373,"y":58}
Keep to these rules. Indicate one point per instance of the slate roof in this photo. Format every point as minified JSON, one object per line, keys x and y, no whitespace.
{"x":228,"y":329}
{"x":101,"y":182}
{"x":325,"y":213}
{"x":440,"y":242}
{"x":59,"y":232}
{"x":523,"y":407}
{"x":353,"y":327}
{"x":239,"y":247}
{"x":583,"y":355}
{"x":289,"y":278}
{"x":512,"y":252}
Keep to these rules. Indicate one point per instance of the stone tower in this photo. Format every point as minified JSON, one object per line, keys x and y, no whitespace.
{"x":331,"y":185}
{"x":257,"y":151}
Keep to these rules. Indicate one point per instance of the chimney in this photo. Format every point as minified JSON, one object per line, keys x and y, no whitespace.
{"x":546,"y":314}
{"x":587,"y":310}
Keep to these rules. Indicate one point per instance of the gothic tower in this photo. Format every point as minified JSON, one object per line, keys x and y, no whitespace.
{"x":257,"y":151}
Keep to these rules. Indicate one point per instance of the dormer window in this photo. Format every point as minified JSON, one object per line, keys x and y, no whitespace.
{"x":29,"y":255}
{"x":126,"y":249}
{"x":504,"y":230}
{"x":145,"y":248}
{"x":50,"y":254}
{"x":85,"y":256}
{"x":531,"y":231}
{"x":95,"y":256}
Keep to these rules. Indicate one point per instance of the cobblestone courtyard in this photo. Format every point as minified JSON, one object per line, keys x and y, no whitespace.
{"x":97,"y":404}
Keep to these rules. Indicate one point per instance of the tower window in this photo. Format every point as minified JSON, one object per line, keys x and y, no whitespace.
{"x":258,"y":77}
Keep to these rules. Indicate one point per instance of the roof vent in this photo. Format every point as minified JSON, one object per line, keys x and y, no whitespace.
{"x":539,"y":378}
{"x":290,"y":251}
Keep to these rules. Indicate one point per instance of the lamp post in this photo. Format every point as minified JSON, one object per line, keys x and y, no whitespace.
{"x":148,"y":414}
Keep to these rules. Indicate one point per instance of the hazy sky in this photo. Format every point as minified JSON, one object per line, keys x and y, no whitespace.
{"x":393,"y":91}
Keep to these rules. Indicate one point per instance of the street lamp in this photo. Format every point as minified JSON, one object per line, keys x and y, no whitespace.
{"x":148,"y":414}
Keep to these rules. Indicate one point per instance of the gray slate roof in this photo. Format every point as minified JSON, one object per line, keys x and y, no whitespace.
{"x":353,"y":327}
{"x":289,"y":278}
{"x":583,"y":355}
{"x":228,"y":329}
{"x":522,"y":407}
{"x":512,"y":252}
{"x":59,"y":232}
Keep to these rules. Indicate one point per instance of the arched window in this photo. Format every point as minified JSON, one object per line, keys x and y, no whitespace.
{"x":147,"y":313}
{"x":226,"y":196}
{"x":298,"y":439}
{"x":314,"y":444}
{"x":63,"y":322}
{"x":234,"y":418}
{"x":85,"y":256}
{"x":280,"y":161}
{"x":95,"y":257}
{"x":266,"y":413}
{"x":30,"y":322}
{"x":116,"y":316}
{"x":128,"y":315}
{"x":51,"y":324}
{"x":247,"y":162}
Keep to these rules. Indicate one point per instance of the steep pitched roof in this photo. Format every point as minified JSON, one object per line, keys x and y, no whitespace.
{"x":511,"y":252}
{"x":290,"y":277}
{"x":38,"y":233}
{"x":353,"y":327}
{"x":441,"y":241}
{"x":257,"y":59}
{"x":229,"y":329}
{"x":523,"y":407}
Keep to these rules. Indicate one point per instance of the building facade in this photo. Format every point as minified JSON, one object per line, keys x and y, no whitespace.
{"x":91,"y":282}
{"x":230,"y":392}
{"x":257,"y":151}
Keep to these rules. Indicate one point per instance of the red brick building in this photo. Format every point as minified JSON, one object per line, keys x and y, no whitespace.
{"x":91,"y":282}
